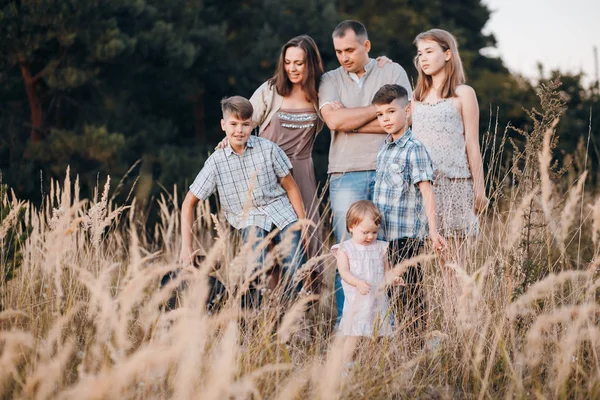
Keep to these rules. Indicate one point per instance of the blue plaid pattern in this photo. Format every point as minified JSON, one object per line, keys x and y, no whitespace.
{"x":401,"y":165}
{"x":248,"y":185}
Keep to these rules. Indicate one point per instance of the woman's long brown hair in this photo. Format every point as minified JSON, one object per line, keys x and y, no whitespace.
{"x":455,"y":75}
{"x":314,"y":69}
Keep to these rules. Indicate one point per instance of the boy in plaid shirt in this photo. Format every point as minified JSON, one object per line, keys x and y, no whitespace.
{"x":256,"y":192}
{"x":404,"y":195}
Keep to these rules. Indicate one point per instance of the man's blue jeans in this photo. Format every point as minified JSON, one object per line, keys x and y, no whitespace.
{"x":345,"y":189}
{"x":291,"y":258}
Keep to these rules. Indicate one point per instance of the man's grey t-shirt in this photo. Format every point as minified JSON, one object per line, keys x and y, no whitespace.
{"x":357,"y":151}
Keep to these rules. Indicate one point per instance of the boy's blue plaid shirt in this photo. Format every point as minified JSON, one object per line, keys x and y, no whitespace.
{"x":401,"y":165}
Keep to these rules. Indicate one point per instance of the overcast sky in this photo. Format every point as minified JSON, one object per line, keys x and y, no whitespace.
{"x":560,"y":34}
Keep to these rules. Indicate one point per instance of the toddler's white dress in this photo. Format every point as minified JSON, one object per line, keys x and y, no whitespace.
{"x":365,"y":315}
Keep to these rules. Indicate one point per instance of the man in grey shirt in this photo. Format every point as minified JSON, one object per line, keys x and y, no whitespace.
{"x":345,"y":96}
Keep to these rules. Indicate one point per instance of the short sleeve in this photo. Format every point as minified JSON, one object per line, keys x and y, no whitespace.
{"x":205,"y":183}
{"x":421,"y":169}
{"x":402,"y":80}
{"x":328,"y":93}
{"x":336,"y":248}
{"x":281,"y":162}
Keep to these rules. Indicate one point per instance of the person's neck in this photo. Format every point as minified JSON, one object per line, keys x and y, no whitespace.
{"x":297,"y":89}
{"x":399,"y":134}
{"x":363,"y":70}
{"x":437,"y":81}
{"x":238,"y":149}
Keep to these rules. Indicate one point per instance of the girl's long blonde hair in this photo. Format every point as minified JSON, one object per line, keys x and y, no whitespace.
{"x":455,"y":75}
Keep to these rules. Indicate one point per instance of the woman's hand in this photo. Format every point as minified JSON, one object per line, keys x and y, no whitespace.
{"x":382,"y":60}
{"x":222,"y":144}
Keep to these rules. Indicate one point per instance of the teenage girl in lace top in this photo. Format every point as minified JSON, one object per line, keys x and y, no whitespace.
{"x":445,"y":119}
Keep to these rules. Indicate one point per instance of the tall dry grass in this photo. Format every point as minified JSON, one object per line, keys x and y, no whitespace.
{"x":82,"y":317}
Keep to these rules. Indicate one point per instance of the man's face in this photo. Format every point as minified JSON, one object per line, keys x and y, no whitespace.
{"x":351,"y":54}
{"x":393,"y":117}
{"x":237,"y":130}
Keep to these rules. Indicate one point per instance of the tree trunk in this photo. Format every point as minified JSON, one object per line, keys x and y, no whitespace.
{"x":35,"y":104}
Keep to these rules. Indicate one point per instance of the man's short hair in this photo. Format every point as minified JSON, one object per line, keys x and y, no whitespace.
{"x":388,"y":93}
{"x":237,"y":106}
{"x":359,"y":30}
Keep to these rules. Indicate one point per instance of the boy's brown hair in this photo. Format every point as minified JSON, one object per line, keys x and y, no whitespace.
{"x":388,"y":93}
{"x":238,"y":106}
{"x":359,"y":210}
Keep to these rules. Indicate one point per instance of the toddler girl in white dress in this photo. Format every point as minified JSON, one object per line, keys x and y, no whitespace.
{"x":362,"y":263}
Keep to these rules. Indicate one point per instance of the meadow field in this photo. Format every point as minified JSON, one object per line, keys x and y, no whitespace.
{"x":82,"y":316}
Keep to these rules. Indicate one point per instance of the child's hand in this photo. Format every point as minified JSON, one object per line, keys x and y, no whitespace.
{"x":185,"y":257}
{"x":305,"y":238}
{"x":438,"y":242}
{"x":398,"y":281}
{"x":363,"y":287}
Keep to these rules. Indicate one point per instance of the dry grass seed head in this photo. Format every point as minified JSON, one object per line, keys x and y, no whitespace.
{"x":596,"y":221}
{"x":327,"y":376}
{"x":289,"y":323}
{"x":569,"y":213}
{"x":542,"y":289}
{"x":223,"y":365}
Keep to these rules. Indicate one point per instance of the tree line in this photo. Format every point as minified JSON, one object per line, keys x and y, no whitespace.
{"x":104,"y":86}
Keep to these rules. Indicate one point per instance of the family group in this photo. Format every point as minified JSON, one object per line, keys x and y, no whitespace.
{"x":405,"y":166}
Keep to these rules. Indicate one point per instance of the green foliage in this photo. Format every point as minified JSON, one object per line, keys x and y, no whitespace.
{"x":89,"y":151}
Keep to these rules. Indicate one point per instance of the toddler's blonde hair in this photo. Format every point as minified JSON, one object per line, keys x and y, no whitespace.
{"x":359,"y":210}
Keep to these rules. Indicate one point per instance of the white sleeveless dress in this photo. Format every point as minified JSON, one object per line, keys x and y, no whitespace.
{"x":440,"y":128}
{"x":365,"y":315}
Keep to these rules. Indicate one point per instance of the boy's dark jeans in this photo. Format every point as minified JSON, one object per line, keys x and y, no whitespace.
{"x":407,"y":302}
{"x":291,"y":260}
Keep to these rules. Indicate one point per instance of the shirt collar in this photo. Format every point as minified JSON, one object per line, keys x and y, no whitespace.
{"x":250,"y":143}
{"x":368,"y":67}
{"x":401,"y":141}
